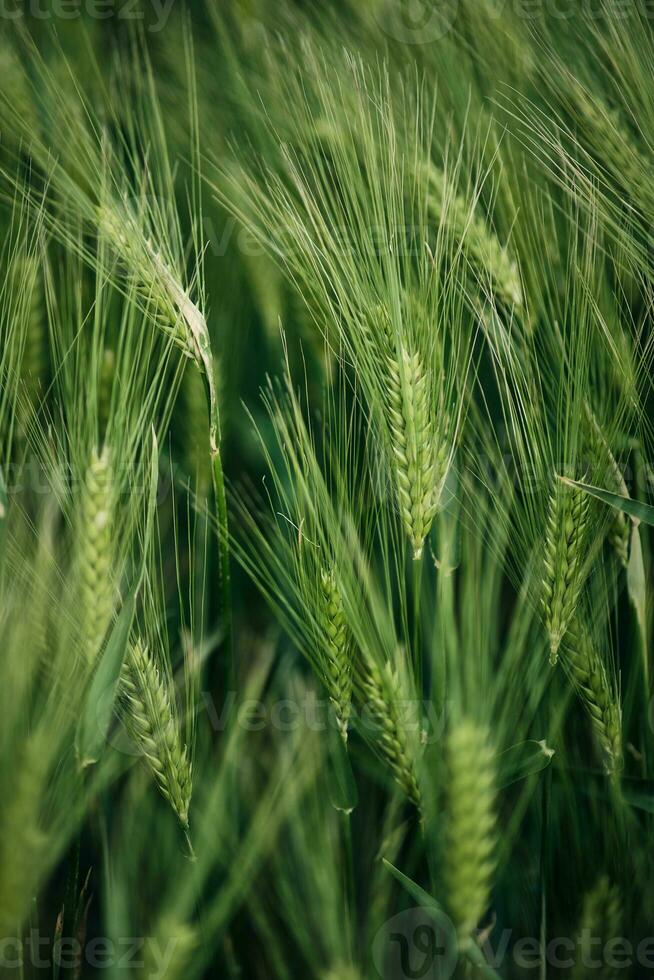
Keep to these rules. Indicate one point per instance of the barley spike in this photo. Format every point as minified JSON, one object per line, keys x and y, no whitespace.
{"x":564,"y":553}
{"x":379,"y":688}
{"x":95,"y":553}
{"x":338,"y":671}
{"x":419,"y":463}
{"x":590,"y":677}
{"x":151,"y":722}
{"x":470,"y":829}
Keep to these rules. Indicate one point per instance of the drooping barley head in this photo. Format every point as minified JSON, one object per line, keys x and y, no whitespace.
{"x":152,"y":724}
{"x":590,"y":676}
{"x":483,"y":246}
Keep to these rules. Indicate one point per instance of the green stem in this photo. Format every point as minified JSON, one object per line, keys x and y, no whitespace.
{"x":218,"y":479}
{"x":350,"y":906}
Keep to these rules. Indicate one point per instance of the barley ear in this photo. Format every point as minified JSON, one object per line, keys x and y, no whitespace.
{"x":95,"y":553}
{"x":484,"y":248}
{"x":338,"y":667}
{"x":152,"y":724}
{"x":380,"y":690}
{"x":591,"y":679}
{"x":470,"y":829}
{"x":419,"y":462}
{"x":564,"y":555}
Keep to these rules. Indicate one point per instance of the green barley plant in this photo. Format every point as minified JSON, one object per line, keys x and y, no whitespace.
{"x":350,"y":224}
{"x":554,"y":426}
{"x":133,"y":215}
{"x":382,"y":295}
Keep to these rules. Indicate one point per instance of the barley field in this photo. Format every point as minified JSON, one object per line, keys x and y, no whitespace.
{"x":326,"y":493}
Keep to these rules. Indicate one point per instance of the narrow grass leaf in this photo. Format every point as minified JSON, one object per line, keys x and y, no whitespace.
{"x":98,"y":711}
{"x":343,"y":791}
{"x":521,"y":760}
{"x":636,"y":509}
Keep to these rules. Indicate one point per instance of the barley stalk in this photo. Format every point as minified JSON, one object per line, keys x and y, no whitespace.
{"x":470,"y":829}
{"x":380,"y":690}
{"x":151,"y":722}
{"x":95,"y":553}
{"x":590,"y":677}
{"x":338,"y":673}
{"x":601,"y":918}
{"x":564,"y":554}
{"x":196,"y":427}
{"x":105,"y":385}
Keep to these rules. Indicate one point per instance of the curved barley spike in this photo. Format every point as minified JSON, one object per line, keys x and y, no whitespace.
{"x":95,"y":552}
{"x":601,"y":919}
{"x":338,"y":671}
{"x":564,"y":554}
{"x":380,"y":689}
{"x":470,"y":828}
{"x":419,"y":460}
{"x":151,"y":722}
{"x":483,"y":246}
{"x":591,"y":679}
